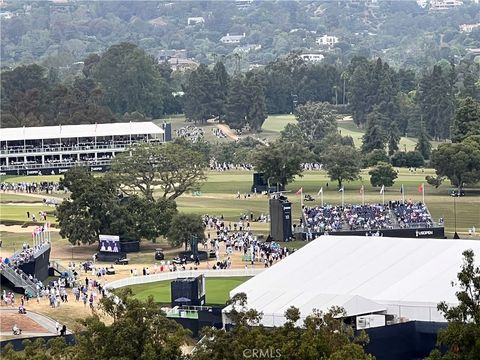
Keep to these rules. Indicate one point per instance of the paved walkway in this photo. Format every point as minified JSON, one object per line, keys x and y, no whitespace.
{"x":44,"y":321}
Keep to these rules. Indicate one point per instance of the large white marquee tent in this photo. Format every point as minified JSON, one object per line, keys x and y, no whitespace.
{"x":406,"y":278}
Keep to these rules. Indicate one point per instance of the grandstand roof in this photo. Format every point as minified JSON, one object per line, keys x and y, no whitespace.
{"x":74,"y":131}
{"x":407,"y":277}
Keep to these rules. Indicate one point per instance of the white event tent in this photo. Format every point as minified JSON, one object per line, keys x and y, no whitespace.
{"x":406,"y":278}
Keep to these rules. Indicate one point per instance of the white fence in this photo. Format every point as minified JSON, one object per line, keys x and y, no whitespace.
{"x":171,"y":275}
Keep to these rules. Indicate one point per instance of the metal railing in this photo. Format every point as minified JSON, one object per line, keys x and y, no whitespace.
{"x":18,"y":280}
{"x":171,"y":275}
{"x":60,"y":268}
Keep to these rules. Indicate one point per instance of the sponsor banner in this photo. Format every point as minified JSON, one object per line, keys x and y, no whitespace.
{"x":49,"y":171}
{"x":434,"y":233}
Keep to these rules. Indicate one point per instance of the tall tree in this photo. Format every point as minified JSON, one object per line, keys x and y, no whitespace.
{"x":459,"y":162}
{"x":316,"y":120}
{"x":202,"y":95}
{"x":256,"y":108}
{"x":172,"y":168}
{"x":322,"y":335}
{"x":281,"y":161}
{"x":374,"y":137}
{"x":423,"y":145}
{"x":24,"y":90}
{"x":92,"y":206}
{"x":131,"y":81}
{"x":237,"y":106}
{"x":140,"y":330}
{"x":184,"y":227}
{"x":393,"y":138}
{"x":342,"y":163}
{"x":467,"y":120}
{"x":460,"y":337}
{"x":382,"y":174}
{"x":222,"y":80}
{"x":435,"y":98}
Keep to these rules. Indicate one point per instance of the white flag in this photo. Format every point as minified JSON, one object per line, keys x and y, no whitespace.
{"x":382,"y":190}
{"x":320,"y":191}
{"x":342,"y":189}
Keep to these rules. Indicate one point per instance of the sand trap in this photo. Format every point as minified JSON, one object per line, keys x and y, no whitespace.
{"x":20,"y":229}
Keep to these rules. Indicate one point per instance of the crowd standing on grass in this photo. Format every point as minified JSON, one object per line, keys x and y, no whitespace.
{"x":190,"y":133}
{"x":223,"y":166}
{"x":47,"y":187}
{"x":219,"y":133}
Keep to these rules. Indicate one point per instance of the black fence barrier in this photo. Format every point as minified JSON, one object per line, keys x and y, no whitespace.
{"x":430,"y":232}
{"x":410,"y":340}
{"x":19,"y":346}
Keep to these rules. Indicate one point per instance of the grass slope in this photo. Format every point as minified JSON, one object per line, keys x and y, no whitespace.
{"x":217,"y":290}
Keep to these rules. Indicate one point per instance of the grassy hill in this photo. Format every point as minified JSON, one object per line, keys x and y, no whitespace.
{"x":274,"y":124}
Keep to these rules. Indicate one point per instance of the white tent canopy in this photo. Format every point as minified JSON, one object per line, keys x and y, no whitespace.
{"x":80,"y":131}
{"x":405,"y":277}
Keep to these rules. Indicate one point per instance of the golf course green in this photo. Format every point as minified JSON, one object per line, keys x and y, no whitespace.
{"x":217,"y":290}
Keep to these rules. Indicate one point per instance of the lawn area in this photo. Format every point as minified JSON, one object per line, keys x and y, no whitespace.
{"x":18,"y":198}
{"x":17,"y":214}
{"x":217,"y":290}
{"x":218,"y":198}
{"x":276,"y":123}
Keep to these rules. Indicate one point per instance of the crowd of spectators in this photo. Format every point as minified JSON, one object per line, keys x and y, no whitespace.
{"x":72,"y":144}
{"x":412,"y":214}
{"x":190,"y":133}
{"x":47,"y":187}
{"x":238,"y":237}
{"x":219,"y":133}
{"x":312,"y":166}
{"x":365,"y":217}
{"x":219,"y":166}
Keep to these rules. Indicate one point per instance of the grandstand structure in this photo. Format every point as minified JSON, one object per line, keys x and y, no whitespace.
{"x":52,"y":150}
{"x":393,"y":219}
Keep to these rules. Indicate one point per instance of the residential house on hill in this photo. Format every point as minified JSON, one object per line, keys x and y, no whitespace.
{"x":232,"y":39}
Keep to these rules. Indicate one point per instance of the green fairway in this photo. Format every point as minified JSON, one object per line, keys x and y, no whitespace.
{"x":218,"y":197}
{"x":275,"y":123}
{"x":217,"y":290}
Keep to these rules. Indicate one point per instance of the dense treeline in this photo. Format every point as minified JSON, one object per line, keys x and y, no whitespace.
{"x":60,"y":34}
{"x":388,"y":103}
{"x":125,"y":83}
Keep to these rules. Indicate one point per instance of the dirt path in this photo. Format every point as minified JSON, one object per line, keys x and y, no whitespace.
{"x":21,"y":230}
{"x":227,"y":131}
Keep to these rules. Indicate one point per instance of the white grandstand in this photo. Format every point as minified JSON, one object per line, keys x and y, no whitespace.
{"x":54,"y":149}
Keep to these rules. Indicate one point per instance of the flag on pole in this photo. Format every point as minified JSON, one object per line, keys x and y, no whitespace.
{"x":320,"y":191}
{"x":401,"y":189}
{"x":382,"y":190}
{"x":362,"y":189}
{"x":342,"y":189}
{"x":300,"y":191}
{"x":420,"y":188}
